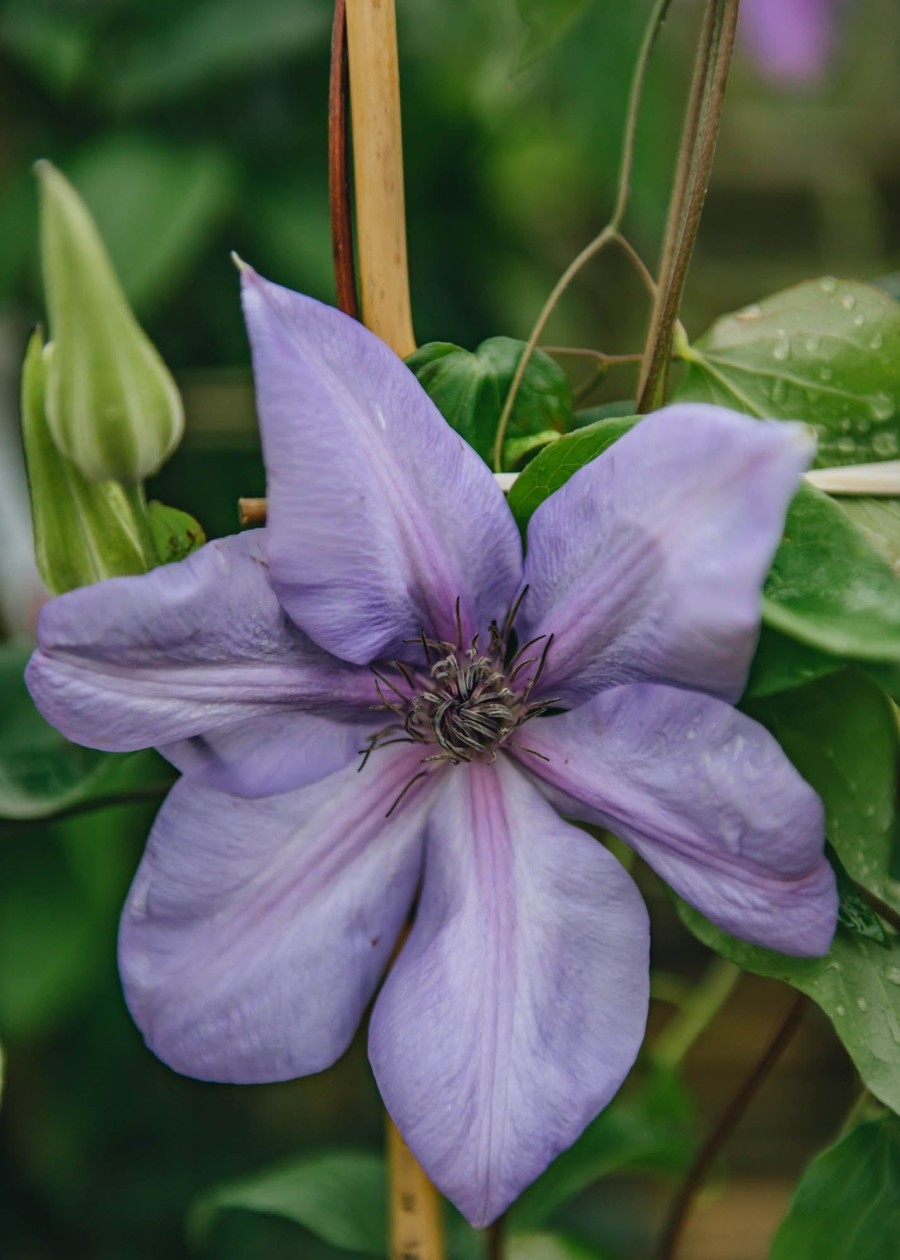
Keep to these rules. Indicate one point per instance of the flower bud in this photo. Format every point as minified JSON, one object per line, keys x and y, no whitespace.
{"x":112,"y":405}
{"x":83,"y":530}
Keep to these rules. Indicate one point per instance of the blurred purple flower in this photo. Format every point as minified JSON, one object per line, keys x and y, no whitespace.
{"x":792,"y":41}
{"x":597,"y":678}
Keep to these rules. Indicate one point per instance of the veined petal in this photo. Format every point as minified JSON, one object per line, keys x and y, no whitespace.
{"x":266,"y":755}
{"x":189,"y":648}
{"x":518,"y":1004}
{"x":708,"y":799}
{"x":256,"y":931}
{"x":380,"y":516}
{"x":649,"y":562}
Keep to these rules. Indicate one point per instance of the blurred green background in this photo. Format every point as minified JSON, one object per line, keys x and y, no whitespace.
{"x":194,"y":127}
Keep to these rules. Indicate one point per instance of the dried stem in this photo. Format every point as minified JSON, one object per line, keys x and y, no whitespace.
{"x":609,"y":235}
{"x":723,"y":1129}
{"x":338,"y":169}
{"x":698,"y":146}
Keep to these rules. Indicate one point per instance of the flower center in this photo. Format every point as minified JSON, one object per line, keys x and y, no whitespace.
{"x":463,"y":701}
{"x":468,"y":707}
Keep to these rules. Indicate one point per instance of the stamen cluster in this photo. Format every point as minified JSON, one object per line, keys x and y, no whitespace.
{"x":464,"y":701}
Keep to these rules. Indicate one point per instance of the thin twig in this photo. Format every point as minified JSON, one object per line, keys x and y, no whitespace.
{"x":584,"y":352}
{"x":338,"y":167}
{"x":724,"y":1127}
{"x":698,"y":148}
{"x":637,"y":262}
{"x":136,"y":796}
{"x":609,"y":234}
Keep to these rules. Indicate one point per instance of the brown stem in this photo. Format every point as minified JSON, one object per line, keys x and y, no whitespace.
{"x":338,"y":167}
{"x":698,"y":146}
{"x":496,"y":1235}
{"x":724,"y":1127}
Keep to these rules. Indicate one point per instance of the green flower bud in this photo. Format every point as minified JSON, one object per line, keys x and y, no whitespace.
{"x":83,"y":530}
{"x":112,"y":406}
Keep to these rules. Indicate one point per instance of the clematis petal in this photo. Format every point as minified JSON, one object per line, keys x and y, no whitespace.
{"x":256,"y":931}
{"x":267,"y":755}
{"x":188,"y":649}
{"x":648,"y":563}
{"x":380,"y":516}
{"x":708,"y":799}
{"x":518,"y":1004}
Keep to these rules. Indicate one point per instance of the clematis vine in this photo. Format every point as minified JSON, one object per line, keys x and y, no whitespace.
{"x":792,"y":41}
{"x":383,"y":713}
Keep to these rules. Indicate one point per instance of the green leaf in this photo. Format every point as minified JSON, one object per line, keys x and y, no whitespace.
{"x":648,"y":1129}
{"x":781,"y":663}
{"x":828,"y":588}
{"x":879,"y":521}
{"x":826,"y":351}
{"x":547,"y":22}
{"x":338,"y":1197}
{"x":841,"y":734}
{"x":548,"y":1247}
{"x":854,"y":912}
{"x":847,"y":1205}
{"x":83,"y":530}
{"x":216,"y":41}
{"x":156,"y":207}
{"x":175,"y":533}
{"x":556,"y":464}
{"x":470,"y":388}
{"x":40,"y":771}
{"x":857,"y":985}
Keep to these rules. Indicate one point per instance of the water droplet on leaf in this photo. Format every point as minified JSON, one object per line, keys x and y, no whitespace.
{"x":882,"y":405}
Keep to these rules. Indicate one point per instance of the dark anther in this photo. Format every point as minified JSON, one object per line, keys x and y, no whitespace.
{"x":464,"y":701}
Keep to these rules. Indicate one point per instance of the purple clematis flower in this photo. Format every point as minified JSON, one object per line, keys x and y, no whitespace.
{"x":792,"y":41}
{"x":595,"y":678}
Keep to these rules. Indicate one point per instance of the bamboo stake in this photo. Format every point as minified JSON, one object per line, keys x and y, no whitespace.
{"x":378,"y":172}
{"x":414,"y":1208}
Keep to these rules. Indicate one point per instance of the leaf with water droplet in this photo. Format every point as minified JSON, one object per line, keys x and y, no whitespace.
{"x":853,"y":968}
{"x":841,"y":735}
{"x":829,"y":588}
{"x":805,"y":350}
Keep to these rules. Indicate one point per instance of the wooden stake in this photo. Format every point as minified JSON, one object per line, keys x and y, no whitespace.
{"x":378,"y":172}
{"x":414,"y":1208}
